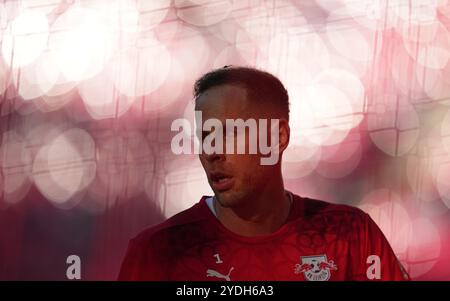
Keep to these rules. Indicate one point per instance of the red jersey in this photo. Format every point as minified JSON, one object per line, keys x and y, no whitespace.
{"x":319,"y":241}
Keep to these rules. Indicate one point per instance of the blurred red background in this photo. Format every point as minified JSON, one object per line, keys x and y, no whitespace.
{"x":89,"y":88}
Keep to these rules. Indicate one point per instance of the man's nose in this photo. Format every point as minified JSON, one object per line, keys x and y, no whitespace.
{"x":215,"y":151}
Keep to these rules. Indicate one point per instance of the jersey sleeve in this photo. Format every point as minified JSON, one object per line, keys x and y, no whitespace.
{"x":130,"y":268}
{"x":375,"y":259}
{"x":140,"y":265}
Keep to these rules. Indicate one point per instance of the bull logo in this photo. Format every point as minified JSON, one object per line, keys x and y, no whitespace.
{"x":315,"y":268}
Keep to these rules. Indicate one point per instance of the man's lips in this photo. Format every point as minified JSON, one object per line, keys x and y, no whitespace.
{"x":221,"y":181}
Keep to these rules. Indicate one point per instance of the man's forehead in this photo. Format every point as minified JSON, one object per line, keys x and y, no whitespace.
{"x":222,"y":96}
{"x":226,"y":101}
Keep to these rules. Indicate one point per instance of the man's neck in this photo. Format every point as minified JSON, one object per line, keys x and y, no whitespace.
{"x":265,"y":213}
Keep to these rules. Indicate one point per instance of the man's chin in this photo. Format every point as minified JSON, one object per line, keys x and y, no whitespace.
{"x":228,"y":199}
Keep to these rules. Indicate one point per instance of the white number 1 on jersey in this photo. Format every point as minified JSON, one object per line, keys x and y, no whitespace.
{"x":218,"y":258}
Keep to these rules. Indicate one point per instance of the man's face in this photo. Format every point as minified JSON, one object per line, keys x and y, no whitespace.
{"x":233,"y":177}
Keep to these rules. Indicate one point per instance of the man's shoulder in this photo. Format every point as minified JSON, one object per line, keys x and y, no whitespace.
{"x":325,"y":217}
{"x":174,"y":227}
{"x":320,"y":208}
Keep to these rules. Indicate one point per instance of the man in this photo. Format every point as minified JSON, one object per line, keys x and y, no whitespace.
{"x":252,"y":228}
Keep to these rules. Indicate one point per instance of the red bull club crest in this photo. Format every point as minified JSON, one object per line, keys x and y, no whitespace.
{"x":315,"y":267}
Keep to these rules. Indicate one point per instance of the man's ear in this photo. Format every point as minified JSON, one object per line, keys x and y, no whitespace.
{"x":284,"y":134}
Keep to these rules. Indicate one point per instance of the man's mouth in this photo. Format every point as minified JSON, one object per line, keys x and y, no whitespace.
{"x":221,"y":181}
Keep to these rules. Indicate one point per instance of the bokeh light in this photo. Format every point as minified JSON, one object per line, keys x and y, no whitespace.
{"x":25,"y":38}
{"x":422,"y":32}
{"x":386,"y":208}
{"x":203,"y":12}
{"x":15,"y":164}
{"x":137,"y":72}
{"x":165,"y":96}
{"x":320,"y":114}
{"x":300,"y":160}
{"x":443,"y":183}
{"x":238,"y":55}
{"x":81,"y":43}
{"x":403,"y":73}
{"x":123,"y":159}
{"x":65,"y":167}
{"x":3,"y":77}
{"x":434,"y":54}
{"x":34,"y":80}
{"x":89,"y":89}
{"x":423,"y":170}
{"x":393,"y":124}
{"x":419,"y":11}
{"x":363,"y":43}
{"x":353,"y":89}
{"x":424,"y":247}
{"x":193,"y":61}
{"x":340,"y":160}
{"x":445,"y":132}
{"x":434,"y":82}
{"x":175,"y":186}
{"x":102,"y":99}
{"x":291,"y":68}
{"x":374,"y":15}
